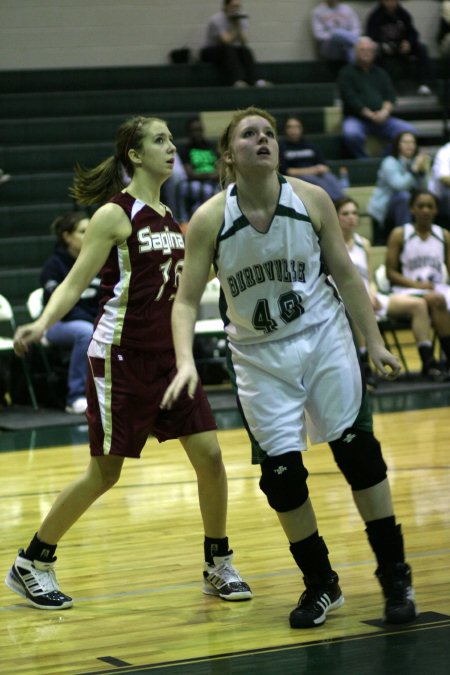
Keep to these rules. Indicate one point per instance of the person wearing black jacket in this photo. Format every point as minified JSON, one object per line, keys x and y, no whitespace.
{"x":300,"y":159}
{"x":75,"y":328}
{"x":392,"y":27}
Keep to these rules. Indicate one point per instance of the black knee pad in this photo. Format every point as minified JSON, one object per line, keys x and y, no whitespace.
{"x":358,"y":455}
{"x":283,"y":481}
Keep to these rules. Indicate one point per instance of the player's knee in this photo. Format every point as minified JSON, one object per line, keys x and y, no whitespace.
{"x":203,"y":450}
{"x":283,"y":481}
{"x":103,"y":471}
{"x":436,"y":301}
{"x":418,"y":308}
{"x":358,"y":455}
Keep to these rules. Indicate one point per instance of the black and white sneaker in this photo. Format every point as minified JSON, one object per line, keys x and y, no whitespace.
{"x":315,"y":602}
{"x":36,"y":581}
{"x":223,"y":580}
{"x":433,"y":373}
{"x":396,"y":582}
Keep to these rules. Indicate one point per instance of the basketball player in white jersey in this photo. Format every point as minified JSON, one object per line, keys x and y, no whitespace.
{"x":417,"y":260}
{"x":271,"y":240}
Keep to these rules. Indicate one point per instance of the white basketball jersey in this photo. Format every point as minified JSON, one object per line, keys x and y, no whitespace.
{"x":358,"y":256}
{"x":273,"y":284}
{"x":422,"y":259}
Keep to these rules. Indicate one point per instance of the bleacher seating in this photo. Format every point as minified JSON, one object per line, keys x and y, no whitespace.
{"x":51,"y":119}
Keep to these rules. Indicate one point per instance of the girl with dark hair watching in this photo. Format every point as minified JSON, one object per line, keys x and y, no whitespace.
{"x":76,"y":327}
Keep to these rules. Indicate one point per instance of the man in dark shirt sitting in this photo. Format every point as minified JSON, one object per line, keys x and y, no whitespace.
{"x":391,"y":26}
{"x":302,"y":160}
{"x":368,"y":99}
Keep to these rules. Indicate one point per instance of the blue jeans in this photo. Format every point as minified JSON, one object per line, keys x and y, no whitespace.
{"x":75,"y":334}
{"x":192,"y":194}
{"x":169,"y":188}
{"x":328,"y":182}
{"x":339,"y":47}
{"x":355,"y":131}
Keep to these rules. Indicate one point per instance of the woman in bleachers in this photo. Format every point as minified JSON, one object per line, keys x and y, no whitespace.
{"x":395,"y":305}
{"x":404,"y":170}
{"x":76,"y":327}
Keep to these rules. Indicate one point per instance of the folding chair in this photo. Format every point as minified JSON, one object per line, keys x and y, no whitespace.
{"x":35,"y":303}
{"x":210,"y":338}
{"x":7,"y":330}
{"x":209,"y":302}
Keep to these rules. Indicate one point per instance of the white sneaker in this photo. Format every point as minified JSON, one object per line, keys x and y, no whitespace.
{"x":36,"y":581}
{"x":423,"y":90}
{"x":262,"y":83}
{"x":223,"y":579}
{"x":78,"y":407}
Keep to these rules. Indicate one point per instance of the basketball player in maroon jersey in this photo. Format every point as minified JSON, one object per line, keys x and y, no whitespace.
{"x":135,"y":243}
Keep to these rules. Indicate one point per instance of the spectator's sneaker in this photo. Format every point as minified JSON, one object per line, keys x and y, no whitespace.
{"x":396,"y":582}
{"x":315,"y":602}
{"x":78,"y":407}
{"x":36,"y":581}
{"x":435,"y":373}
{"x":223,"y":579}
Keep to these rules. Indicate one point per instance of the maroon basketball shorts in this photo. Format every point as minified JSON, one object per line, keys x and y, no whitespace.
{"x":124,"y":391}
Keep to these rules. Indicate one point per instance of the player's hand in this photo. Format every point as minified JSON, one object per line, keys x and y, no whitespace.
{"x":385,"y":362}
{"x":425,"y":285}
{"x":26,"y":335}
{"x":186,"y":376}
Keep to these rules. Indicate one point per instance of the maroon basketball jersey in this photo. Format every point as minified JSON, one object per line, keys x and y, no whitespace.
{"x":139,"y":280}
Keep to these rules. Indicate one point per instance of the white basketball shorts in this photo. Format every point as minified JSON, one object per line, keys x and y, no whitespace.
{"x":306,"y":385}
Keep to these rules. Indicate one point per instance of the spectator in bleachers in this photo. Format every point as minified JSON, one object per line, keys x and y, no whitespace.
{"x":368,"y":98}
{"x":75,"y":328}
{"x":440,"y":183}
{"x":226,"y":45}
{"x":417,"y":260}
{"x":300,"y":159}
{"x":336,"y":27}
{"x":199,"y":158}
{"x":403,"y":171}
{"x":443,"y":36}
{"x":392,"y":27}
{"x":395,"y":305}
